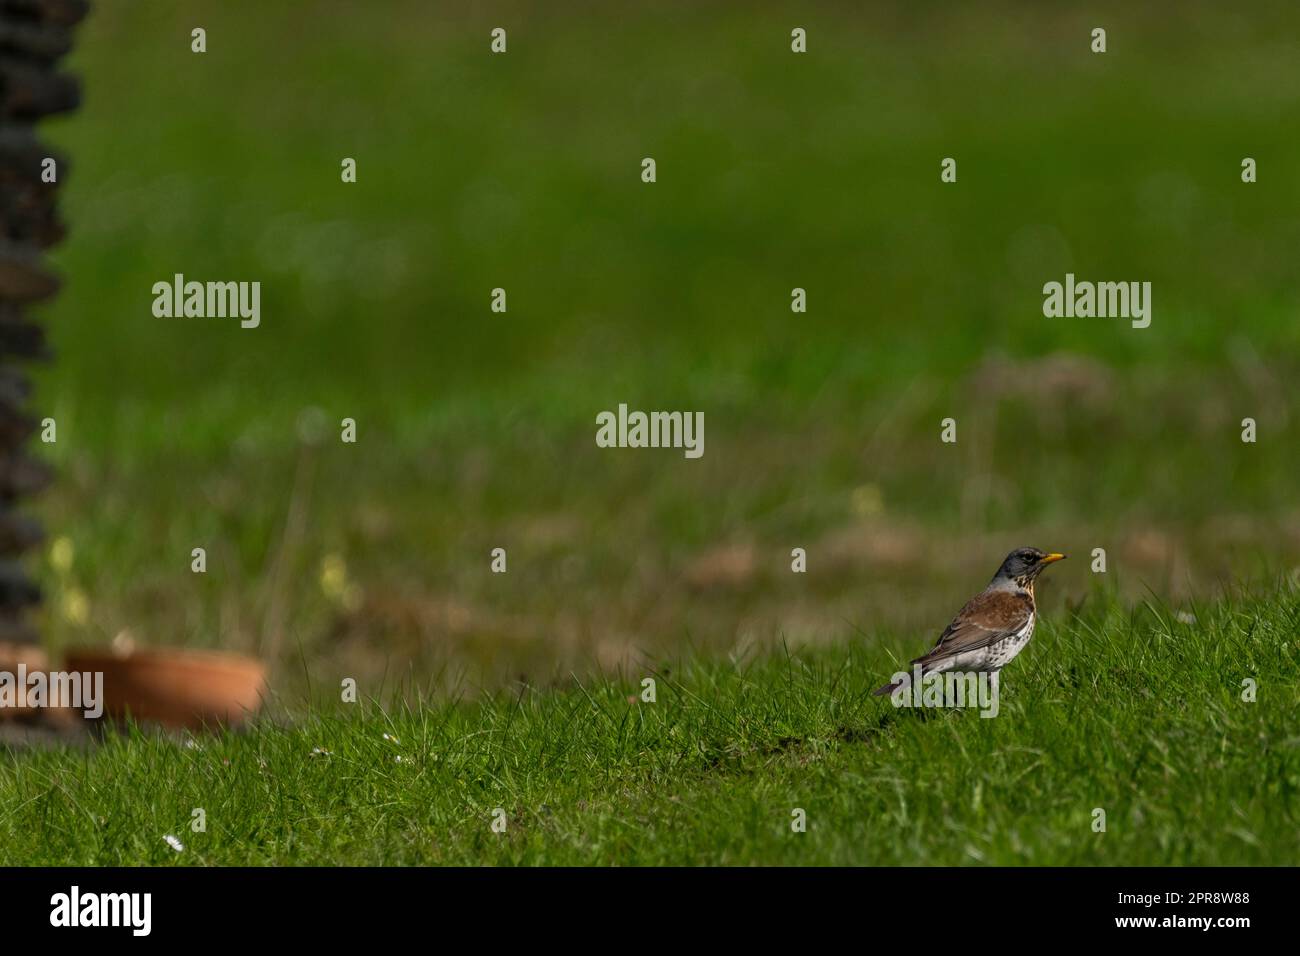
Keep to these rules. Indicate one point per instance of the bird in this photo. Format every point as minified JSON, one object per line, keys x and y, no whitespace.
{"x":994,"y":626}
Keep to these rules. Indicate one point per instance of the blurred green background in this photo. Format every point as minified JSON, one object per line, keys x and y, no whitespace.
{"x":775,"y":170}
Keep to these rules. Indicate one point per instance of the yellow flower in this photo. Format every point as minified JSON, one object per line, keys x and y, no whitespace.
{"x":61,"y":554}
{"x":75,"y":606}
{"x":334,"y":583}
{"x":333,"y":576}
{"x":867,"y":501}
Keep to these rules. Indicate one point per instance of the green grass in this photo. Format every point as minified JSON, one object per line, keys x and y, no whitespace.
{"x":1138,"y":713}
{"x":476,"y":430}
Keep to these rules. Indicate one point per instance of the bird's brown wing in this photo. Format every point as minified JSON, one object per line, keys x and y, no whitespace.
{"x":987,"y":618}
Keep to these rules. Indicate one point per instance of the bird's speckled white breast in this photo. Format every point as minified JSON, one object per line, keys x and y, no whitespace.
{"x":1002,"y":653}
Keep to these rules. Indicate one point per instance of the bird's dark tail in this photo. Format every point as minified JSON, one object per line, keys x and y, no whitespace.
{"x":890,"y":688}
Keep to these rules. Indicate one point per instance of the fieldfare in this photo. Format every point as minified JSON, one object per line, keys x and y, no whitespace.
{"x":994,"y":626}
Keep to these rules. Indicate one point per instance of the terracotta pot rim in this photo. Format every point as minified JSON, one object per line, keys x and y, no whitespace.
{"x":167,"y":656}
{"x":176,"y":686}
{"x":24,"y":654}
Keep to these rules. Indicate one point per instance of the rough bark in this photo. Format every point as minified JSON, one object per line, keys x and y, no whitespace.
{"x":34,"y":36}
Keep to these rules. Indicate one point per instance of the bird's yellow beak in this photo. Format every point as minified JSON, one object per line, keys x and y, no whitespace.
{"x":1048,"y":559}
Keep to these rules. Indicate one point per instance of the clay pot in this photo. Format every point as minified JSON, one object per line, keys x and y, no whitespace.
{"x":11,"y":655}
{"x":179,"y":688}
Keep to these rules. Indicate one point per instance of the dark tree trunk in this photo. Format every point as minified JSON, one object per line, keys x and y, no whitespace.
{"x":34,"y":35}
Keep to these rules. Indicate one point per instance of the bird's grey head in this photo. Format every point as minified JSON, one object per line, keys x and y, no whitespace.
{"x":1023,"y":565}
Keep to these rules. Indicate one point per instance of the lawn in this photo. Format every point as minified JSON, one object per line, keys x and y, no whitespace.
{"x":521,"y":171}
{"x":1139,"y":714}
